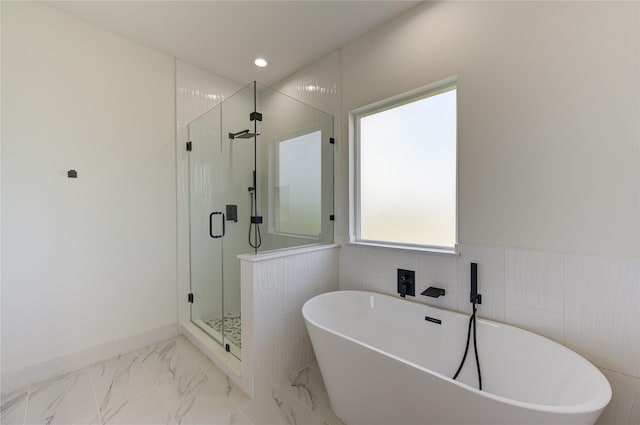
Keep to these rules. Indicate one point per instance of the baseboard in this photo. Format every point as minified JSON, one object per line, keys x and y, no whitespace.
{"x":51,"y":368}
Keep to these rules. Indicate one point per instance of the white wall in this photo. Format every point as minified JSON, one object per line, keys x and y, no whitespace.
{"x":317,"y":85}
{"x":549,"y":168}
{"x":548,"y":114}
{"x":91,"y":260}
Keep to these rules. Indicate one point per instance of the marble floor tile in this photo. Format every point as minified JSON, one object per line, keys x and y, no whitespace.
{"x":201,"y":403}
{"x":171,"y":369}
{"x":94,"y":420}
{"x":157,"y":358}
{"x":147,"y":409}
{"x":278,"y":407}
{"x":169,"y":383}
{"x":198,"y":356}
{"x":227,"y":386}
{"x":12,"y":407}
{"x":62,"y":400}
{"x":236,"y":418}
{"x":118,"y":380}
{"x":307,"y":386}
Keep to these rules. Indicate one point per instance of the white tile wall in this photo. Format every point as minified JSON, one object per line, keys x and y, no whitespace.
{"x":588,"y":303}
{"x":296,"y":285}
{"x":375,"y":270}
{"x":197,"y":91}
{"x":267,"y":326}
{"x":277,"y":335}
{"x":603,"y":314}
{"x":491,"y":282}
{"x":535,"y":279}
{"x":440,"y":272}
{"x":625,"y":403}
{"x":295,"y":343}
{"x":543,"y":322}
{"x":350,"y":267}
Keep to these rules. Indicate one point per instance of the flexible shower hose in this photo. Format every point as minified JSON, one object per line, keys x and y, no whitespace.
{"x":472,"y":321}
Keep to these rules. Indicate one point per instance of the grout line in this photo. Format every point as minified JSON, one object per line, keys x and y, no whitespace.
{"x":297,"y":400}
{"x":153,"y":382}
{"x":95,"y":399}
{"x":239,"y":411}
{"x":637,"y":378}
{"x":26,"y":405}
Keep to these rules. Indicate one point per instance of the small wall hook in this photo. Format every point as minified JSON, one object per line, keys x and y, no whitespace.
{"x":72,"y":174}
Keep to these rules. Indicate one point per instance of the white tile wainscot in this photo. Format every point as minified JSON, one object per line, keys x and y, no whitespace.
{"x":587,"y":303}
{"x":275,"y":285}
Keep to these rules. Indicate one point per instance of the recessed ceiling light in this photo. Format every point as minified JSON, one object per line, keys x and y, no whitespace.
{"x":260,"y":62}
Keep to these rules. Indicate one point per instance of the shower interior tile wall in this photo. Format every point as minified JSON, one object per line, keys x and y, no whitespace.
{"x":587,"y":303}
{"x":197,"y":91}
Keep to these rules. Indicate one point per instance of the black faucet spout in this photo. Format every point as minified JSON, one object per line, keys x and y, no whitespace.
{"x":433,"y":292}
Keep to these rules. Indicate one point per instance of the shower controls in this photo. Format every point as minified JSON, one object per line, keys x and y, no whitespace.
{"x":406,"y":282}
{"x":232,"y":213}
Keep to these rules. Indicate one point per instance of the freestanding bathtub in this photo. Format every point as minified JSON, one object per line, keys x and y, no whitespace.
{"x":383,"y":363}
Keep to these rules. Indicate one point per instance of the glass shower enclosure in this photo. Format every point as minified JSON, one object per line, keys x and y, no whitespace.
{"x":260,"y":179}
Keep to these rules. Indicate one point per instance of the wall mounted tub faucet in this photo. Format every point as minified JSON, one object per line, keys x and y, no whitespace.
{"x":433,"y":292}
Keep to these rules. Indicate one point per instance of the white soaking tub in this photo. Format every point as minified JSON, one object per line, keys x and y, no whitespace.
{"x":383,"y":363}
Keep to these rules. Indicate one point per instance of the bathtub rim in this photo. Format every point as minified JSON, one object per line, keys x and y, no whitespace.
{"x":599,"y":402}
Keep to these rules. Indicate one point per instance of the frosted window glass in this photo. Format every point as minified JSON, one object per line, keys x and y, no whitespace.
{"x":298,"y":190}
{"x":408,"y":173}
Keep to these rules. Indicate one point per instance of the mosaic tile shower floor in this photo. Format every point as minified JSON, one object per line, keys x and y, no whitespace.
{"x":232,"y":327}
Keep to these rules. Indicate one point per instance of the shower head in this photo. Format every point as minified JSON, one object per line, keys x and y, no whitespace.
{"x":244,"y":134}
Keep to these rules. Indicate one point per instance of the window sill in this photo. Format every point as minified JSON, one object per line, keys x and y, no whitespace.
{"x":424,"y":249}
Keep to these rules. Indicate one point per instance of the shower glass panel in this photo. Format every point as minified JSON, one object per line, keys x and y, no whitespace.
{"x":260,"y":179}
{"x":205,"y":211}
{"x":238,"y":165}
{"x":295,"y":172}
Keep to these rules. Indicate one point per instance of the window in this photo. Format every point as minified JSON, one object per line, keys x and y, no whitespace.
{"x":405,"y":174}
{"x":298,"y":186}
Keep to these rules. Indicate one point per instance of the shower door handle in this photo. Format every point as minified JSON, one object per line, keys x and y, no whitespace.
{"x":211,"y":224}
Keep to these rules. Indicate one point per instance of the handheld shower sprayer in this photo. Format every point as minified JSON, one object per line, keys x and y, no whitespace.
{"x":255,"y":239}
{"x":474,"y":298}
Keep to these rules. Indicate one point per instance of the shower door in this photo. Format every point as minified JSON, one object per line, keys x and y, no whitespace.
{"x":222,"y":169}
{"x":206,"y":224}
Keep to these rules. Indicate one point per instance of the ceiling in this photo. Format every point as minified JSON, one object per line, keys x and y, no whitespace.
{"x":225,"y":36}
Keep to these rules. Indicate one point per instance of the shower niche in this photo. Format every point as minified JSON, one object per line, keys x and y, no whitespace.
{"x":260,"y":179}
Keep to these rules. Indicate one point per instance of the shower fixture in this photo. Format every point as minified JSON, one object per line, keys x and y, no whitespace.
{"x":244,"y":134}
